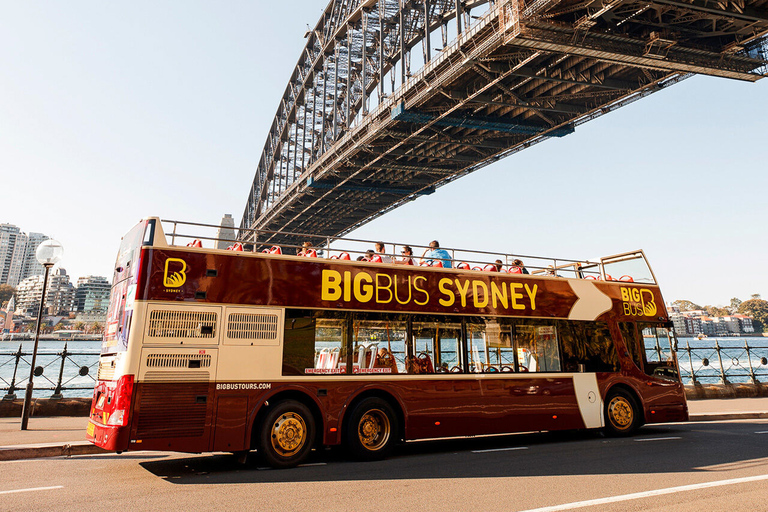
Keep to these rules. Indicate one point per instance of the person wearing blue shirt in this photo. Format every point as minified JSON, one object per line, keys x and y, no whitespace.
{"x":435,"y":253}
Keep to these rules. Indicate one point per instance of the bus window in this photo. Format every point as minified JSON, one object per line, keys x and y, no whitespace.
{"x":537,"y":347}
{"x":631,"y":340}
{"x":313,"y":345}
{"x":490,"y":347}
{"x":436,"y":348}
{"x":589,"y":347}
{"x":659,"y":354}
{"x":379,"y":346}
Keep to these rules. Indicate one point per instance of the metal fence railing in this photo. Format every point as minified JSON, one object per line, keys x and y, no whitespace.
{"x":55,"y":372}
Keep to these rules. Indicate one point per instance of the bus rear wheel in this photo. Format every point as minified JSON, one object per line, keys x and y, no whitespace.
{"x":372,"y":430}
{"x":287,"y":434}
{"x":622,"y":414}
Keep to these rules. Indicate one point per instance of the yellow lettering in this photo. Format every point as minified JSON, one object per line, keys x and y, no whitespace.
{"x":499,"y":294}
{"x":636,"y":295}
{"x":450,"y":297}
{"x":363,"y":292}
{"x":347,"y":287}
{"x":627,"y":309}
{"x":624,"y":294}
{"x":331,"y":289}
{"x":476,"y":286}
{"x":387,"y":288}
{"x":415,"y":286}
{"x":409,"y":292}
{"x":463,"y":292}
{"x":515,"y":295}
{"x":532,"y":294}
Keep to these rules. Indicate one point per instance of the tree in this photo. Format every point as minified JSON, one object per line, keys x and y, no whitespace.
{"x":79,"y":325}
{"x":757,"y":309}
{"x":6,"y":292}
{"x":96,"y":327}
{"x":756,"y":296}
{"x":735,"y":303}
{"x":717,"y":311}
{"x":686,"y":305}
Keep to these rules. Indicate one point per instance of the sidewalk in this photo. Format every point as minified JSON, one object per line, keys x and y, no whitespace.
{"x":65,"y":436}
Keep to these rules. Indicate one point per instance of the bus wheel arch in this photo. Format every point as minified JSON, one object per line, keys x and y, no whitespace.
{"x":270,"y":402}
{"x":376,"y":408}
{"x":623,"y":411}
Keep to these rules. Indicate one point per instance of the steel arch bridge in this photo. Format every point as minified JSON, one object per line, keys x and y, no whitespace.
{"x":393,"y":98}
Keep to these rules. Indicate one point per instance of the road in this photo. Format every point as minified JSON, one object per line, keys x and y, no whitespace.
{"x":681,"y":467}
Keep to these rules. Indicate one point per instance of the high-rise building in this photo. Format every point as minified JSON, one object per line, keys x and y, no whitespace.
{"x":17,"y":254}
{"x":59,"y":297}
{"x":92,"y":294}
{"x":226,"y":232}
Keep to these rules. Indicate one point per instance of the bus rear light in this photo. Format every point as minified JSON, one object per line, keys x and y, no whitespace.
{"x":122,"y":400}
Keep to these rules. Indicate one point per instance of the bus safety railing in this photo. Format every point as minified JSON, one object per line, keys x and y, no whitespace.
{"x":57,"y":372}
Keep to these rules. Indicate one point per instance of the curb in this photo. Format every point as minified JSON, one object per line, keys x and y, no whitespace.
{"x":36,"y":451}
{"x":729,"y":416}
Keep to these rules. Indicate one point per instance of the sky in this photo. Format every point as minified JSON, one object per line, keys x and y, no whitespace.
{"x":110,"y":112}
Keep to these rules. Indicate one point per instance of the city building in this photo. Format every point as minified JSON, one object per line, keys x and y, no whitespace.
{"x":17,"y":254}
{"x":226,"y":232}
{"x":92,"y":294}
{"x":60,"y":296}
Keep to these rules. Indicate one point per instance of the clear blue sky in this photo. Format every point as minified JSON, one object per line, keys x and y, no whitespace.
{"x":114,"y":111}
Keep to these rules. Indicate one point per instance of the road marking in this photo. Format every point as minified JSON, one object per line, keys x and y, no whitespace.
{"x":32,"y":489}
{"x":501,"y":449}
{"x":657,"y":439}
{"x":312,"y":464}
{"x":762,"y":432}
{"x":647,"y":494}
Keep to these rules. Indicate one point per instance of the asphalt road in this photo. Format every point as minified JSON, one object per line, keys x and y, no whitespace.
{"x":675,"y":467}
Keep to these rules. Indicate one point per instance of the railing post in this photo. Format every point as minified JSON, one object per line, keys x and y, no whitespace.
{"x":57,"y":392}
{"x":723,"y":380}
{"x":690,"y":361}
{"x":751,"y":369}
{"x":658,"y":347}
{"x":11,"y":395}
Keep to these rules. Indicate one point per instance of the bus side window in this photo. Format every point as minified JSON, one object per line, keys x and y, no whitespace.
{"x":489,"y":346}
{"x":313,"y":346}
{"x":632,"y":341}
{"x":378,"y":346}
{"x":594,"y":347}
{"x":423,"y":348}
{"x":537,"y":346}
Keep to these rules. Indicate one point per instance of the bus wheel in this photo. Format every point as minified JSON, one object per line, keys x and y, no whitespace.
{"x":622,"y":415}
{"x":372,"y":430}
{"x":287,"y":434}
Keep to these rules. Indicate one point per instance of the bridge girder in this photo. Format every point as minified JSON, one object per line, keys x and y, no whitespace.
{"x":338,"y":153}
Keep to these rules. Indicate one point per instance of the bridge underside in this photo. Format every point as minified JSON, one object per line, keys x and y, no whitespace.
{"x":519,"y":75}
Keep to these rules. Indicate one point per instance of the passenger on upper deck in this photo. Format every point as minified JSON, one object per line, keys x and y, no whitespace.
{"x":519,"y":264}
{"x":305,"y":248}
{"x":407,"y":259}
{"x":382,"y":253}
{"x":435,"y":253}
{"x":498,"y":264}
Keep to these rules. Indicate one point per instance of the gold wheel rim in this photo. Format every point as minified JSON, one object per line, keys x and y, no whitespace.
{"x":374,"y":430}
{"x":620,"y":412}
{"x":289,"y":434}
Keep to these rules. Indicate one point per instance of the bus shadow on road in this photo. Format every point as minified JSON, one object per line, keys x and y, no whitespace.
{"x":670,"y":448}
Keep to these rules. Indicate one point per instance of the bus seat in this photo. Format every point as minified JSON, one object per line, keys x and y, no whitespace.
{"x":514,"y":269}
{"x":236,"y":247}
{"x":322,"y":358}
{"x":593,"y":278}
{"x":334,"y":359}
{"x":375,"y":259}
{"x":265,"y":251}
{"x":275,"y":250}
{"x":477,"y":268}
{"x":311,"y":253}
{"x":344,"y":256}
{"x":334,"y":257}
{"x":463,"y":266}
{"x":627,"y":279}
{"x":436,"y":263}
{"x":490,"y":268}
{"x":195,"y":243}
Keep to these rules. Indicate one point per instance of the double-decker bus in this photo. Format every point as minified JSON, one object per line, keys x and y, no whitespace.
{"x":249,"y":348}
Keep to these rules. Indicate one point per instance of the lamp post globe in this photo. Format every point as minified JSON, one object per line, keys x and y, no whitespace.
{"x":48,"y":254}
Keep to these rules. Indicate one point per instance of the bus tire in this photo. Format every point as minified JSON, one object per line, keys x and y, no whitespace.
{"x":622,"y":414}
{"x":287,"y":434}
{"x":372,"y":430}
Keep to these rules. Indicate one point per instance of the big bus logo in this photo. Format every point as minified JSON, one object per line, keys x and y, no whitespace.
{"x":175,"y":273}
{"x":638,"y":302}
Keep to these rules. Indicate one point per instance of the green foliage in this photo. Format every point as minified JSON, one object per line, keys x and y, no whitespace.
{"x":735,"y":303}
{"x":757,"y":309}
{"x":6,"y":292}
{"x":717,"y":311}
{"x":686,"y":305}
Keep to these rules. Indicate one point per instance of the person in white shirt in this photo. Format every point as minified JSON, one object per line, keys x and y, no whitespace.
{"x":381,"y":251}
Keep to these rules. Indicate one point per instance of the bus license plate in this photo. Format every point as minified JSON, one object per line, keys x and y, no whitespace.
{"x":90,"y":429}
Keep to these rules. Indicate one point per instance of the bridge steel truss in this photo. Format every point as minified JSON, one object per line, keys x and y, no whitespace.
{"x":393,"y":98}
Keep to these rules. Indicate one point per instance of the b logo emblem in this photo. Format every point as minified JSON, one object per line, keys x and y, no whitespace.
{"x":173,"y":278}
{"x":638,"y":302}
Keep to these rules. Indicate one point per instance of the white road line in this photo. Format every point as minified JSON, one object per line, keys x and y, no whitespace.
{"x":762,"y":432}
{"x":312,"y":464}
{"x":657,"y":439}
{"x":648,"y":494}
{"x":501,"y":449}
{"x":32,"y":489}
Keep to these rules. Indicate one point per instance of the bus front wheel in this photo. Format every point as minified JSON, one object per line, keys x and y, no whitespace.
{"x":622,"y":414}
{"x":372,"y":429}
{"x":287,"y":434}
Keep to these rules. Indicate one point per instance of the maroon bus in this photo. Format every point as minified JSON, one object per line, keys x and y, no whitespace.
{"x":241,"y":349}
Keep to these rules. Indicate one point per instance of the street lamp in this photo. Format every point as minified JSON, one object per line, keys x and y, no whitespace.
{"x":48,"y":254}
